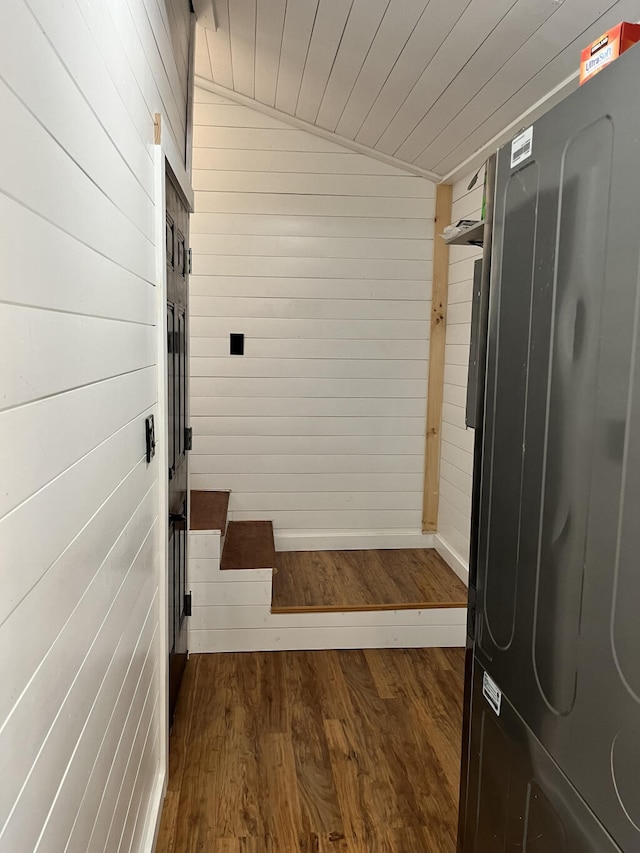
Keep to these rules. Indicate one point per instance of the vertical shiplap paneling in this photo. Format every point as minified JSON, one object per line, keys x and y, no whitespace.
{"x":322,"y":258}
{"x":456,"y":466}
{"x":202,"y":58}
{"x":364,"y":20}
{"x":331,"y":21}
{"x":398,"y":22}
{"x":269,"y":31}
{"x":296,"y":36}
{"x":80,"y":711}
{"x":242,"y":30}
{"x":429,"y":82}
{"x":219,"y":44}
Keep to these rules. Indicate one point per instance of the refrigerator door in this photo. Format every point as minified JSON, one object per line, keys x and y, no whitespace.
{"x":559,"y":534}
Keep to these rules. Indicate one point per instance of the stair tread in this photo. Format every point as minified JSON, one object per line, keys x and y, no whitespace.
{"x":209,"y":510}
{"x":249,"y":545}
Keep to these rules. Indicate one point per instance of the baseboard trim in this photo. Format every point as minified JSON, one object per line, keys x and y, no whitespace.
{"x":351,"y":540}
{"x":452,"y":558}
{"x":157,"y":802}
{"x":425,"y":635}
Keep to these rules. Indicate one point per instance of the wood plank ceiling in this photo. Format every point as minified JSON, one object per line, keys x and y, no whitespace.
{"x":428,"y":82}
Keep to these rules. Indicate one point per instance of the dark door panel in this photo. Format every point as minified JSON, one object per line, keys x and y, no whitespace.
{"x":177,"y":415}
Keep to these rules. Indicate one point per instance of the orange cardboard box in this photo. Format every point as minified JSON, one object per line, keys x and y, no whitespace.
{"x":608,"y":47}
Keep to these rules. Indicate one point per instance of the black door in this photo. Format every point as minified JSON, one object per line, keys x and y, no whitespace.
{"x":177,"y":226}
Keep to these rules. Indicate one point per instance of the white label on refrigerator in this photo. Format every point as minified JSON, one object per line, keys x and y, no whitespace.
{"x":491,"y":693}
{"x":522,"y":147}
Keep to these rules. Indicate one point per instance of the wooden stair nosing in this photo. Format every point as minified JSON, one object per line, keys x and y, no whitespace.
{"x":366,"y":608}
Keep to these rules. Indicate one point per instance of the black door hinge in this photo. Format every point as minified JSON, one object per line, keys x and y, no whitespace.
{"x":190,"y":262}
{"x":187,"y":604}
{"x":188,"y":438}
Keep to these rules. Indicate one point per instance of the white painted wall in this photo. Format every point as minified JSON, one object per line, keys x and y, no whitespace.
{"x":456,"y":455}
{"x":322,"y":258}
{"x":80,"y":662}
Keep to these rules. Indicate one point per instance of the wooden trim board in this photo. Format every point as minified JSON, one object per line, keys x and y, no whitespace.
{"x":350,"y":540}
{"x":365,"y":608}
{"x":437,"y":342}
{"x":455,"y":561}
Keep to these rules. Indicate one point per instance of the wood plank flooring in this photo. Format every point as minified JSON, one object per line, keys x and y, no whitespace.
{"x":411,"y":578}
{"x":316,"y":752}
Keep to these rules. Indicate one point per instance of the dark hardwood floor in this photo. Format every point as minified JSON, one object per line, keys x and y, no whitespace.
{"x":249,"y":545}
{"x":209,"y":510}
{"x":316,"y":752}
{"x":410,"y":578}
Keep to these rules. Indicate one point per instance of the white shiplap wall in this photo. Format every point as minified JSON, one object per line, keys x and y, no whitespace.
{"x":456,"y":458}
{"x":322,"y":258}
{"x":80,"y":663}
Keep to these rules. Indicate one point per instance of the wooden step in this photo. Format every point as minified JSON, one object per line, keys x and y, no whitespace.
{"x":209,"y":510}
{"x":329,"y":581}
{"x":249,"y":545}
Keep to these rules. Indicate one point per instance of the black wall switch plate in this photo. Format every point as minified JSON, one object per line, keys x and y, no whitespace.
{"x":236,"y":344}
{"x":150,"y":434}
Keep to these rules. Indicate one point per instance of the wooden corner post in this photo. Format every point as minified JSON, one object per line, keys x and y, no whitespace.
{"x":437,"y":341}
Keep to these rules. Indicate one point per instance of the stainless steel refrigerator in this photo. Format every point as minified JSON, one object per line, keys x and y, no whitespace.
{"x":552,"y":752}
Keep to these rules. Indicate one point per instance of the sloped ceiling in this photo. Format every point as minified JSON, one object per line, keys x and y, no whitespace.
{"x":428,"y":82}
